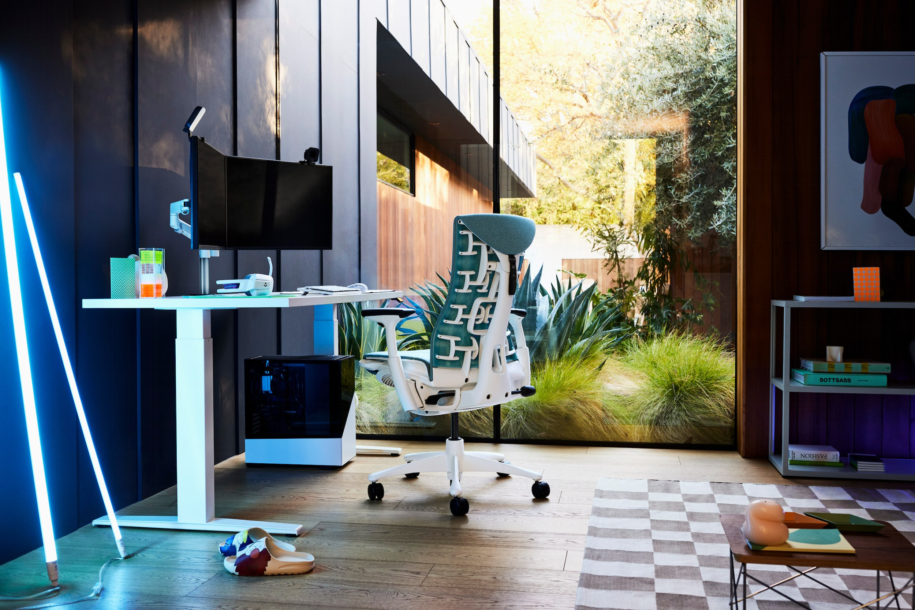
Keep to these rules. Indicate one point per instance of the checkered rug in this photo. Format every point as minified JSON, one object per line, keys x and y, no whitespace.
{"x":660,"y":544}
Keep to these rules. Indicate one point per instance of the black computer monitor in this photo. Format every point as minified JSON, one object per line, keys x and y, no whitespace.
{"x":239,"y":203}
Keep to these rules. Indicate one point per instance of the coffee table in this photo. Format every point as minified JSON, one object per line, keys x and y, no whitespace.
{"x":887,"y":551}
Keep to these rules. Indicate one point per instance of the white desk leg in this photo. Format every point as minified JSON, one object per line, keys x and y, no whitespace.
{"x":194,"y":416}
{"x":325,"y":342}
{"x":194,"y":413}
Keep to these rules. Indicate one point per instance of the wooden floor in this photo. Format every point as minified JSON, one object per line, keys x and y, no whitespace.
{"x":406,"y":552}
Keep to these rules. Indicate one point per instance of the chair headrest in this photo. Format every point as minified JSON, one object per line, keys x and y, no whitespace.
{"x":502,"y":232}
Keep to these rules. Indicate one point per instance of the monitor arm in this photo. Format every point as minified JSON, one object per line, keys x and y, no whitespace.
{"x":176,"y":208}
{"x":179,"y":208}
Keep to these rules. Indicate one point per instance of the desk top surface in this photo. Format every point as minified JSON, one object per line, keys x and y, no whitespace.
{"x":240,"y":302}
{"x":885,"y":550}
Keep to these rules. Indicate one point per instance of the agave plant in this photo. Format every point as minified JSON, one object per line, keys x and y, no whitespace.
{"x":577,"y":321}
{"x":527,"y":298}
{"x":576,"y":325}
{"x":433,"y":298}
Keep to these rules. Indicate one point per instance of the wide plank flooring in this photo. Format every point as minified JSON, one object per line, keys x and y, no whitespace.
{"x":406,"y":552}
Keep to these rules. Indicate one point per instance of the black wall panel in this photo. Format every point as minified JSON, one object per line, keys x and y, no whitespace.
{"x":37,"y":102}
{"x":216,"y":93}
{"x":95,"y":94}
{"x":257,"y":137}
{"x":184,"y":60}
{"x":106,"y":346}
{"x":340,"y":133}
{"x":300,"y":120}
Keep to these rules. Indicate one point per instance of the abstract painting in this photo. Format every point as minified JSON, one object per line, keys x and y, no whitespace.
{"x":867,"y":151}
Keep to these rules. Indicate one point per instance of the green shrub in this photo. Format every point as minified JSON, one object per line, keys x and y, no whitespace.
{"x":569,"y":405}
{"x":687,"y":392}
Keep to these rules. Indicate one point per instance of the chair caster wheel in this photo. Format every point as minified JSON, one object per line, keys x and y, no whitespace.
{"x":540,"y":489}
{"x":503,"y":475}
{"x":376,"y":491}
{"x":412,"y":475}
{"x":459,"y":506}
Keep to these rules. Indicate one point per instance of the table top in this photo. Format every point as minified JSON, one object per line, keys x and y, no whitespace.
{"x":240,"y":302}
{"x":886,"y":550}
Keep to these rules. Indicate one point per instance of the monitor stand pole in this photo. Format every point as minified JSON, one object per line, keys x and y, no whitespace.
{"x":205,"y":256}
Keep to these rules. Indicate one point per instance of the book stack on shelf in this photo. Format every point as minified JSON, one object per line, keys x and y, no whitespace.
{"x":852,"y":373}
{"x":813,"y":455}
{"x":866,"y":462}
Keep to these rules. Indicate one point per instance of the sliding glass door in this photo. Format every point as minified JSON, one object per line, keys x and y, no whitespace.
{"x":616,"y":133}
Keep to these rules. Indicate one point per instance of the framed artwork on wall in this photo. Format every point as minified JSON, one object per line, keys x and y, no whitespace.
{"x":867,"y":151}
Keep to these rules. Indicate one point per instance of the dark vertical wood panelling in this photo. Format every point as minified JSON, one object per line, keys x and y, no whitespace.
{"x":340,"y":129}
{"x":257,"y":132}
{"x":300,"y":105}
{"x":36,"y":85}
{"x":779,"y":221}
{"x":184,"y":60}
{"x":103,"y":188}
{"x":215,"y":92}
{"x":167,"y":85}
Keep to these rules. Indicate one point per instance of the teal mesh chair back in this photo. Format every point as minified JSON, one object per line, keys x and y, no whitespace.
{"x":475,"y":286}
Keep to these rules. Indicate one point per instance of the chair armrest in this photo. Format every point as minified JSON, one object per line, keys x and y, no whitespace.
{"x":389,"y":317}
{"x":400,"y":312}
{"x":519,"y":312}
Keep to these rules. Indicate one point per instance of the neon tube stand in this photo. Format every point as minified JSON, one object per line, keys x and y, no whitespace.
{"x":68,"y":368}
{"x":25,"y":369}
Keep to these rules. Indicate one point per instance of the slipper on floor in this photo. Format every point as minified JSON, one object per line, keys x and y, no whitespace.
{"x":265,"y":558}
{"x":237,"y":543}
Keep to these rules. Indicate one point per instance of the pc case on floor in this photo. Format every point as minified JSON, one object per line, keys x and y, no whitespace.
{"x":300,"y":410}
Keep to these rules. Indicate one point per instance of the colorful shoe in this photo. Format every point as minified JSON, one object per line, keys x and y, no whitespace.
{"x":265,"y":558}
{"x":236,"y":544}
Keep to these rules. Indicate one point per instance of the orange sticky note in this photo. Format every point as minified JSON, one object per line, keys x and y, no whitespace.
{"x":867,"y":283}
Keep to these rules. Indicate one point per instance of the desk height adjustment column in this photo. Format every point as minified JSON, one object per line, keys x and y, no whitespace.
{"x":194,"y":413}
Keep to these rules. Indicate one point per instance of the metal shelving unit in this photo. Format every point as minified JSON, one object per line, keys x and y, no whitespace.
{"x":896,"y":469}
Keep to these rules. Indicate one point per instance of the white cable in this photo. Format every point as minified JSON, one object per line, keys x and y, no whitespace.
{"x":96,"y":590}
{"x":68,"y":369}
{"x":39,"y":595}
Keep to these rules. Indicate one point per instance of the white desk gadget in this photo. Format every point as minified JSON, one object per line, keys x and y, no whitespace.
{"x":254,"y":284}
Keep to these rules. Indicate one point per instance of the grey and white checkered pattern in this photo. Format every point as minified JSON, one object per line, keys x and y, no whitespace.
{"x":660,"y":544}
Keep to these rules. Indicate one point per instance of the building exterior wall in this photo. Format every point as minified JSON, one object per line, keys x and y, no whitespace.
{"x":414,"y":233}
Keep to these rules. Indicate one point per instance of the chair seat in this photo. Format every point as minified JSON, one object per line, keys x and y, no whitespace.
{"x":422,"y":356}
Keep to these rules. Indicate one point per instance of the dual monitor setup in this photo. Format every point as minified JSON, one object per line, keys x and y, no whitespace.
{"x":241,"y":203}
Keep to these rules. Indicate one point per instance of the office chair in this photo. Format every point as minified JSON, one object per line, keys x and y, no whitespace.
{"x":474,"y":361}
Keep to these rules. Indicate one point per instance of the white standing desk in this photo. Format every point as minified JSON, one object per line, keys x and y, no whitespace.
{"x":194,"y":398}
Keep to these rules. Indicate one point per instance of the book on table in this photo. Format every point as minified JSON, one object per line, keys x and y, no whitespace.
{"x":810,"y":541}
{"x":813,"y":453}
{"x":815,"y":463}
{"x":798,"y":297}
{"x":821,"y":365}
{"x":873,"y":380}
{"x":866,"y":462}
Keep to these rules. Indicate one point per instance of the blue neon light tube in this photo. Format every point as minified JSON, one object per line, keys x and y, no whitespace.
{"x":68,"y":368}
{"x":25,"y":369}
